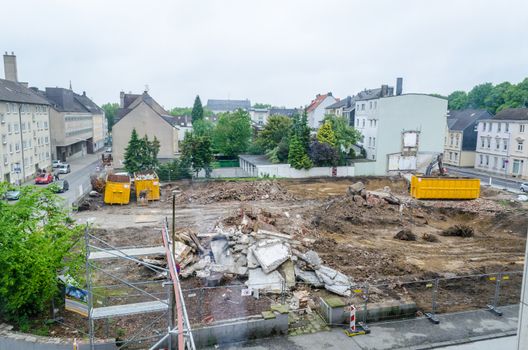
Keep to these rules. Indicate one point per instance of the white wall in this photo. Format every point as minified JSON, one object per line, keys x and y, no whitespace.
{"x":285,"y":170}
{"x":316,"y":116}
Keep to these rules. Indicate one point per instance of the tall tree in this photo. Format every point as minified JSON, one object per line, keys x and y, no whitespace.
{"x":141,"y":154}
{"x":197,"y":112}
{"x":110,"y":110}
{"x":297,"y":156}
{"x":203,"y":127}
{"x":36,"y":239}
{"x":301,"y":129}
{"x":325,"y":134}
{"x":277,"y":127}
{"x":197,"y":152}
{"x":457,"y":100}
{"x":478,"y":95}
{"x":232,"y":134}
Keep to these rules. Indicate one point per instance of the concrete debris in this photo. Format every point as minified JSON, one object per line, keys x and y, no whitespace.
{"x":334,"y":281}
{"x":288,"y":273}
{"x":356,"y":188}
{"x":312,"y":258}
{"x":265,"y":282}
{"x":271,"y":254}
{"x":309,"y":277}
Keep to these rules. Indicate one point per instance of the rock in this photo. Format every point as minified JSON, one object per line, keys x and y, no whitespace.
{"x":312,"y":258}
{"x":288,"y":273}
{"x":252,"y":262}
{"x":309,"y":277}
{"x":267,"y":282}
{"x":356,"y":188}
{"x":271,"y":254}
{"x":359,"y":200}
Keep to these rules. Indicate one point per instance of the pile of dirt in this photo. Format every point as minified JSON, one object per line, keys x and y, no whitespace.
{"x":429,"y":237}
{"x":212,"y":192}
{"x":459,"y":231}
{"x":405,"y":235}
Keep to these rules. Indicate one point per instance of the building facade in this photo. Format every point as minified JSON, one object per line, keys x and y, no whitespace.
{"x":460,"y":140}
{"x":143,"y":113}
{"x":222,"y":106}
{"x":316,"y":109}
{"x":501,"y":143}
{"x":400,"y":130}
{"x":24,"y":132}
{"x":78,"y":125}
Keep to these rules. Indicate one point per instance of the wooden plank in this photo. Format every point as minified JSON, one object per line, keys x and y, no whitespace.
{"x":114,"y":254}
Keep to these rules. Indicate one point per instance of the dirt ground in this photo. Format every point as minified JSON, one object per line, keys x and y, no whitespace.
{"x":356,"y":239}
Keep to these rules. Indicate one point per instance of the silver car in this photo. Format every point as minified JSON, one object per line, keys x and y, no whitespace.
{"x":64,"y":168}
{"x":524,"y":187}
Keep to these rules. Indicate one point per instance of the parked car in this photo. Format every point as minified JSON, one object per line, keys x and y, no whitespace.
{"x":44,"y":178}
{"x":56,"y":163}
{"x":12,"y":195}
{"x":64,"y":168}
{"x":61,"y":186}
{"x":524,"y":187}
{"x":108,"y":149}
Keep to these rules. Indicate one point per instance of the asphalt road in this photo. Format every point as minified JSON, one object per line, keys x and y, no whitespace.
{"x":79,"y":181}
{"x":499,"y":182}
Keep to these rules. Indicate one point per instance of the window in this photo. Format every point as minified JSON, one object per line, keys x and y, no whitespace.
{"x":507,"y":127}
{"x":489,"y":126}
{"x":23,"y":126}
{"x":4,"y":139}
{"x":519,"y":146}
{"x":495,"y":162}
{"x":499,"y":127}
{"x":505,"y":144}
{"x":521,"y":128}
{"x":373,"y":142}
{"x":17,"y":147}
{"x":46,"y":140}
{"x":457,"y":140}
{"x":456,"y":156}
{"x":46,"y":125}
{"x":363,"y":122}
{"x":9,"y":128}
{"x":370,"y":105}
{"x":503,"y":163}
{"x":481,"y":159}
{"x":451,"y":140}
{"x":375,"y":104}
{"x":487,"y":160}
{"x":11,"y":148}
{"x":489,"y":142}
{"x":497,"y":143}
{"x":357,"y":122}
{"x":450,"y":155}
{"x":362,"y":106}
{"x":483,"y":126}
{"x":370,"y":141}
{"x":16,"y":128}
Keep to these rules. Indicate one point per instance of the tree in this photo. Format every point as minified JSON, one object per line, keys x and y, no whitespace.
{"x":36,"y":239}
{"x":110,"y":110}
{"x":262,"y":105}
{"x":197,"y":152}
{"x":276,"y":129}
{"x":323,"y":154}
{"x":478,"y":95}
{"x":457,"y":100}
{"x":297,"y":156}
{"x":325,"y":134}
{"x":174,"y":170}
{"x":301,"y":129}
{"x":141,"y":154}
{"x":197,"y":112}
{"x":203,"y":127}
{"x":232,"y":134}
{"x":497,"y":97}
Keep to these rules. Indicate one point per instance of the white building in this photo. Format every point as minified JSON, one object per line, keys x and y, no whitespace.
{"x":501,"y":143}
{"x":401,"y":132}
{"x":259,"y":116}
{"x":316,"y":109}
{"x":24,"y":132}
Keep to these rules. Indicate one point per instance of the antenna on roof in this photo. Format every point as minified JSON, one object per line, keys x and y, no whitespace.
{"x":70,"y":86}
{"x":146,"y":88}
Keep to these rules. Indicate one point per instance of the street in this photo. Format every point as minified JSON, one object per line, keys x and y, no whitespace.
{"x":79,"y":180}
{"x":511,"y":185}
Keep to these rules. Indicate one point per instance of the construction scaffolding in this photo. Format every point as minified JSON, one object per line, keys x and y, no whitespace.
{"x":178,"y":331}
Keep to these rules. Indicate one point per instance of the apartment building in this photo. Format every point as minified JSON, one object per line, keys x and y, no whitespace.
{"x":24,"y":132}
{"x":399,"y":131}
{"x":460,"y":140}
{"x":316,"y":109}
{"x":501,"y":143}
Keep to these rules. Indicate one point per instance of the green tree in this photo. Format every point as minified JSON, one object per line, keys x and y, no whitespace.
{"x":261,"y":105}
{"x":197,"y":112}
{"x":197,"y":152}
{"x":457,"y":100}
{"x":110,"y":110}
{"x":141,"y":154}
{"x":497,"y":97}
{"x":277,"y":127}
{"x":325,"y":134}
{"x":36,"y":240}
{"x":297,"y":156}
{"x":478,"y":95}
{"x":203,"y":127}
{"x":232,"y":134}
{"x":174,"y":170}
{"x":301,"y":129}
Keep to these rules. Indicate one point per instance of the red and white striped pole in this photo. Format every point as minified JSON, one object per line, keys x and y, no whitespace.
{"x":352,"y":318}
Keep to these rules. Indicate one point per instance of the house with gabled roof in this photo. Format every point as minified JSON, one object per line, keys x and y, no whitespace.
{"x":143,"y":113}
{"x":222,"y":106}
{"x":460,"y":140}
{"x":316,"y":109}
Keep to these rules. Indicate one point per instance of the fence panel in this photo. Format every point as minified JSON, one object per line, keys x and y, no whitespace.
{"x":465,"y":293}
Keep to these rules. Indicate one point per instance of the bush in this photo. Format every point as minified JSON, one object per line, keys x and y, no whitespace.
{"x":174,"y":170}
{"x":322,"y":154}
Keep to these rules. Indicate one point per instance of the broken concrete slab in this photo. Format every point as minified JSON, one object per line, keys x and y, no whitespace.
{"x":271,"y":254}
{"x":267,"y":282}
{"x":356,"y":188}
{"x":252,"y":262}
{"x":288,"y":273}
{"x":220,"y":250}
{"x":338,"y":289}
{"x":312,"y":258}
{"x":308,"y":277}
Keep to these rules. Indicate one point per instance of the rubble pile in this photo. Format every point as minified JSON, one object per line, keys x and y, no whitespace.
{"x":237,"y":191}
{"x":405,"y":235}
{"x":252,"y":247}
{"x":459,"y":231}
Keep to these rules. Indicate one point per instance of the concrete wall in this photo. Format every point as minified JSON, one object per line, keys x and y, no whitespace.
{"x":146,"y":122}
{"x":285,"y":170}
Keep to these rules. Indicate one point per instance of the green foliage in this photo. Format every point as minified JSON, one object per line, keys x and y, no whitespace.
{"x":203,"y":127}
{"x":276,"y":129}
{"x":493,"y":98}
{"x":232,"y":134}
{"x":141,"y":154}
{"x":177,"y":111}
{"x":261,"y":105}
{"x":297,"y":156}
{"x":174,"y":170}
{"x":197,"y":152}
{"x":301,"y":129}
{"x":110,"y":110}
{"x":197,"y":112}
{"x":323,"y":154}
{"x":325,"y":134}
{"x":36,"y":239}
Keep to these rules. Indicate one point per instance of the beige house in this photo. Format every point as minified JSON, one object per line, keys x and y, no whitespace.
{"x":460,"y":139}
{"x":143,"y":113}
{"x":502,"y":145}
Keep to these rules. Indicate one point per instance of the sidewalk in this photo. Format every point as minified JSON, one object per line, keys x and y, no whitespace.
{"x":418,"y":333}
{"x":486,"y":173}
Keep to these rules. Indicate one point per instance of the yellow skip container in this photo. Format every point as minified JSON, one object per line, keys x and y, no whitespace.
{"x":117,"y":189}
{"x":423,"y":187}
{"x":149,"y":183}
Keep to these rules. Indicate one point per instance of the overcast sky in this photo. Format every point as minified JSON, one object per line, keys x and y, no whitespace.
{"x":281,"y":52}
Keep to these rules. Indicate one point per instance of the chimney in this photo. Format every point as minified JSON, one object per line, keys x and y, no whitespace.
{"x":122,"y":99}
{"x":399,"y":86}
{"x":84,"y":93}
{"x":10,"y":67}
{"x":329,"y":94}
{"x":348,"y":101}
{"x":384,"y":90}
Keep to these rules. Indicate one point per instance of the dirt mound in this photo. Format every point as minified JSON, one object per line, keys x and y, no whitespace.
{"x":222,"y":191}
{"x":429,"y":237}
{"x":459,"y":231}
{"x":405,"y":235}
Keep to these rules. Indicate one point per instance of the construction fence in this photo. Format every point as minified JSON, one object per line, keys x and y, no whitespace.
{"x":382,"y":302}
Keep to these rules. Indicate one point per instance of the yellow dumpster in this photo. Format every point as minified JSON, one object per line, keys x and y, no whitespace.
{"x":423,"y":187}
{"x":147,"y":183}
{"x":117,"y":189}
